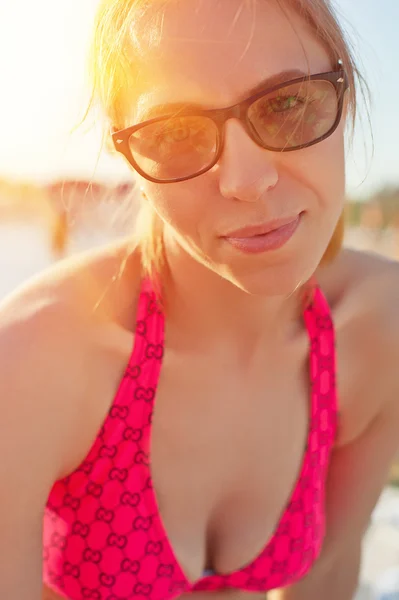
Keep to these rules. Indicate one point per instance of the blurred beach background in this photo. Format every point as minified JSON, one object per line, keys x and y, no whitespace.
{"x":62,"y":193}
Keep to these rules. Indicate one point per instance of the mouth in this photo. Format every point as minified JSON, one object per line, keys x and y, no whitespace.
{"x":267,"y":236}
{"x":254,"y":230}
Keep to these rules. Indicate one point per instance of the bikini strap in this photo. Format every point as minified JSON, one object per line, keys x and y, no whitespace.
{"x":146,"y":357}
{"x":322,"y":359}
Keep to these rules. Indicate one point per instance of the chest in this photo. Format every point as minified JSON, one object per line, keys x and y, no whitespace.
{"x":201,"y":464}
{"x":226,"y":450}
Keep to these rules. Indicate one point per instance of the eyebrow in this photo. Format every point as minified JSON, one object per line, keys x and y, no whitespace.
{"x":282,"y":77}
{"x":268,"y":82}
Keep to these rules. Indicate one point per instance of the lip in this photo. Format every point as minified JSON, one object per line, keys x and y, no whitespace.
{"x":254,"y":230}
{"x":262,"y":238}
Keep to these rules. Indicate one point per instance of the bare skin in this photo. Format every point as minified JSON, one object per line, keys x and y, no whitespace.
{"x":234,"y":331}
{"x":209,"y":519}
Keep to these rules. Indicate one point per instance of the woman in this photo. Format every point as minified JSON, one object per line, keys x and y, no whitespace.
{"x":260,"y":476}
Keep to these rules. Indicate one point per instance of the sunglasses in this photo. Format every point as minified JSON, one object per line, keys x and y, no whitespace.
{"x":282,"y":118}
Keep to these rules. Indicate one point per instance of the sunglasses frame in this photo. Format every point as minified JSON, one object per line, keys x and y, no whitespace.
{"x":238,"y":111}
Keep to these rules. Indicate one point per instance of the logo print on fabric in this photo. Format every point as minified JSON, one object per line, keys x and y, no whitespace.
{"x":296,"y":505}
{"x":324,"y":438}
{"x":128,"y":499}
{"x":107,"y":580}
{"x":133,"y":372}
{"x":141,"y":328}
{"x":71,"y":502}
{"x":326,"y":364}
{"x":87,"y":468}
{"x":305,"y":483}
{"x":129,"y":566}
{"x":119,"y":474}
{"x":284,"y":529}
{"x":324,"y":323}
{"x":105,"y":515}
{"x":141,"y":458}
{"x":314,"y":459}
{"x":279,"y":566}
{"x":146,"y":394}
{"x":154,"y":351}
{"x":71,"y":570}
{"x":93,"y":489}
{"x":108,"y":451}
{"x":133,"y":435}
{"x":58,"y":541}
{"x":119,"y":541}
{"x":270,"y":550}
{"x":152,"y":306}
{"x":154,"y":548}
{"x":93,"y":556}
{"x":165,"y":571}
{"x":257,"y":583}
{"x":80,"y":529}
{"x":54,"y":577}
{"x":178,"y":587}
{"x":142,"y":589}
{"x":142,"y":523}
{"x":308,"y":521}
{"x":148,"y":484}
{"x":119,"y":412}
{"x":91,"y":594}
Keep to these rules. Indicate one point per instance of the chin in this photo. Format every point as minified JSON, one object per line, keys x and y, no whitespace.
{"x":273,"y":281}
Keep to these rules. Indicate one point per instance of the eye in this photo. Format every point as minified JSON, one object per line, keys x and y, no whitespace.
{"x":177,"y":133}
{"x":284,"y":103}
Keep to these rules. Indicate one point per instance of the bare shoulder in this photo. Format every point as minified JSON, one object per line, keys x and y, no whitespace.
{"x":355,"y":270}
{"x":62,"y":350}
{"x":61,"y":335}
{"x":363,"y":292}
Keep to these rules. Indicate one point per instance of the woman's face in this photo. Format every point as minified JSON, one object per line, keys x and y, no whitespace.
{"x":213,"y":54}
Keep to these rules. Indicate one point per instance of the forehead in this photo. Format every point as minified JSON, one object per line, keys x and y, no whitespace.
{"x":211,"y":52}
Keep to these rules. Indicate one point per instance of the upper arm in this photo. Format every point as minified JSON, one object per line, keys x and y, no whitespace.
{"x":24,"y":470}
{"x":357,"y":475}
{"x":369,"y":438}
{"x":61,"y":358}
{"x":34,"y":424}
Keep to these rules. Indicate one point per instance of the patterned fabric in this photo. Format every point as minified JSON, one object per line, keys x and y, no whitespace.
{"x":103,"y":535}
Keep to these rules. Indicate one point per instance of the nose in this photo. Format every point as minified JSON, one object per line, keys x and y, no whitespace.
{"x":246,"y":171}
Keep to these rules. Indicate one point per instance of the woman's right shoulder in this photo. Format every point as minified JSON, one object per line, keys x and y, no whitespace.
{"x":63,"y":348}
{"x":65,"y":338}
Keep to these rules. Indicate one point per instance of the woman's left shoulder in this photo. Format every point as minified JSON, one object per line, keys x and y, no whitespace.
{"x":363,"y":293}
{"x":366,"y":287}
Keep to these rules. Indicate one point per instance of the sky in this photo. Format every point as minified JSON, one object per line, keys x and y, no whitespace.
{"x":44,"y":91}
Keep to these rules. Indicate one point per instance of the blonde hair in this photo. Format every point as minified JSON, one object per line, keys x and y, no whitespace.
{"x":113,"y":77}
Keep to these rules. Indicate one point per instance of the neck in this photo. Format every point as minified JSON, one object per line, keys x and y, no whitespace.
{"x":202,"y":305}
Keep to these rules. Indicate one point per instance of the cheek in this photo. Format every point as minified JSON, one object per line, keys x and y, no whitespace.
{"x":332,"y":169}
{"x":321,"y":168}
{"x":183,"y":206}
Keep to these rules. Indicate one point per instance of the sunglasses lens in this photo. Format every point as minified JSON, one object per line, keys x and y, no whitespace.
{"x":295,"y":115}
{"x":175,"y":147}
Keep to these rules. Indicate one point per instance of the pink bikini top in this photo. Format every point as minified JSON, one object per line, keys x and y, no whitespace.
{"x":103,"y":535}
